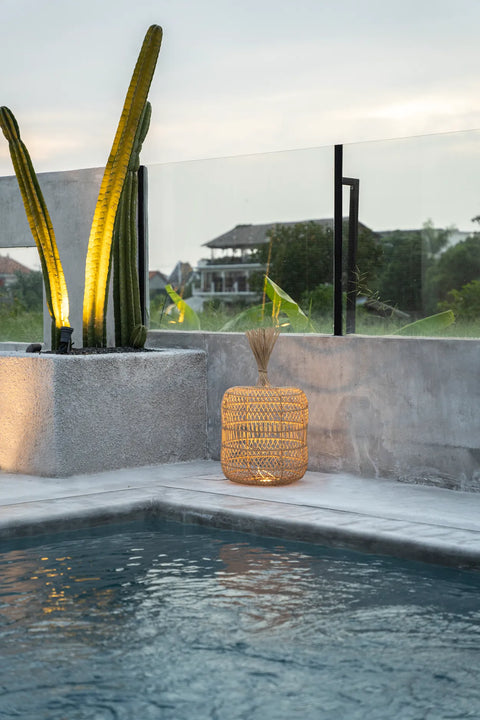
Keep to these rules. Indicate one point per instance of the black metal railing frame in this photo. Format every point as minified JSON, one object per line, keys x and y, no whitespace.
{"x":352,"y":276}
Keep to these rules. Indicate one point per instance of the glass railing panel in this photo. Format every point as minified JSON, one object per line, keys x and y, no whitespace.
{"x":21,"y":295}
{"x":420,"y":198}
{"x":216,"y":227}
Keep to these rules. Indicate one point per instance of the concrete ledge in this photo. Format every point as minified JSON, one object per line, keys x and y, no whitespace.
{"x":67,"y":414}
{"x":370,"y":515}
{"x":14,"y":346}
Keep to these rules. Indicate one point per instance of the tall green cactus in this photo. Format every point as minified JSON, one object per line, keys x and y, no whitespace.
{"x":40,"y":225}
{"x":126,"y":292}
{"x":131,"y":131}
{"x":99,"y":247}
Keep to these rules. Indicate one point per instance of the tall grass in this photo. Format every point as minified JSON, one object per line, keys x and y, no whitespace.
{"x":28,"y":326}
{"x":21,"y":326}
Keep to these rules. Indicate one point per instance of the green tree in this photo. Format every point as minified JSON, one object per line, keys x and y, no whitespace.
{"x":318,"y":301}
{"x":465,"y":303}
{"x":455,"y":268}
{"x":300,"y":256}
{"x":434,"y":239}
{"x":408,"y":257}
{"x":400,"y":282}
{"x":28,"y":290}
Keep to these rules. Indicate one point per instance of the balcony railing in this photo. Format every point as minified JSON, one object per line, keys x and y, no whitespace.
{"x":418,"y":246}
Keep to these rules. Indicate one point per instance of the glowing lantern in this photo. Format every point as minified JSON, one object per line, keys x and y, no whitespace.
{"x":264,"y":428}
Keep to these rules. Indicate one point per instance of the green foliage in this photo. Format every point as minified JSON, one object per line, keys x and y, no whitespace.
{"x":215,"y":314}
{"x":301,"y":256}
{"x":458,"y":266}
{"x":252,"y":317}
{"x":282,"y":312}
{"x":408,"y":256}
{"x":400,"y":282}
{"x":28,"y":290}
{"x":184,"y":316}
{"x":434,"y":239}
{"x":465,"y":303}
{"x":18,"y":325}
{"x":319,"y":300}
{"x":429,"y":326}
{"x":283,"y":303}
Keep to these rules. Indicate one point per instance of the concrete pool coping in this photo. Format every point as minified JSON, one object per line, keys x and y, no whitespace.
{"x":368,"y":514}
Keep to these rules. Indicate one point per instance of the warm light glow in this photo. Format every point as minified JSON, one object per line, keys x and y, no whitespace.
{"x":101,"y":234}
{"x":265,"y":478}
{"x":264,"y":435}
{"x":64,"y":312}
{"x":38,"y":219}
{"x":21,"y":401}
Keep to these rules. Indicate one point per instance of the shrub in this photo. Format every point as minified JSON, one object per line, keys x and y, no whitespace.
{"x":465,"y":302}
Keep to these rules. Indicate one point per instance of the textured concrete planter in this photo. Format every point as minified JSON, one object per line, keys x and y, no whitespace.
{"x":62,"y":415}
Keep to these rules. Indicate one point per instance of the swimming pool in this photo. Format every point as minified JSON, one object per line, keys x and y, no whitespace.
{"x":164,"y":620}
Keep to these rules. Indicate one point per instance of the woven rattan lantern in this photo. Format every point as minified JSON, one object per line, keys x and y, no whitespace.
{"x":264,"y":428}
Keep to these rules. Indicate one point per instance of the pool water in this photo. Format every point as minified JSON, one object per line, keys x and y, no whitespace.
{"x":163,"y":620}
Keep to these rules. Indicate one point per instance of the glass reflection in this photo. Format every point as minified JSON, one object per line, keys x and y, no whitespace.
{"x":21,"y":295}
{"x":420,"y":196}
{"x":220,"y":216}
{"x":218,"y":226}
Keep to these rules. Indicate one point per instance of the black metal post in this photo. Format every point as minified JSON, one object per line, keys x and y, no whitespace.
{"x":352,"y":279}
{"x":337,"y":240}
{"x":142,"y":232}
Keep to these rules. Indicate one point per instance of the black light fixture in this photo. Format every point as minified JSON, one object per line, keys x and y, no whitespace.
{"x":65,"y":344}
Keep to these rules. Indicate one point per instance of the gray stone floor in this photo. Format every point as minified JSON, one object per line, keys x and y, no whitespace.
{"x":373,"y":515}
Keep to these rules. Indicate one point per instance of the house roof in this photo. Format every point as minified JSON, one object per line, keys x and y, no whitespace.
{"x":180,"y":273}
{"x":157,"y":273}
{"x":9,"y":266}
{"x":249,"y":236}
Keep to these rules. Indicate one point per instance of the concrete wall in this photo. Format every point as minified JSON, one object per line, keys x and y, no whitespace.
{"x":66,"y":414}
{"x":71,"y":197}
{"x":406,"y":408}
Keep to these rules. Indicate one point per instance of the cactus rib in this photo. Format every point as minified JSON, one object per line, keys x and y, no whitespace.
{"x":39,"y":221}
{"x":126,"y":292}
{"x":100,"y":241}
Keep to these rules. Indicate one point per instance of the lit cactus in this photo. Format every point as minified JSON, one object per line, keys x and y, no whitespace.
{"x":40,"y":225}
{"x":131,"y":131}
{"x":99,"y":247}
{"x":129,"y":329}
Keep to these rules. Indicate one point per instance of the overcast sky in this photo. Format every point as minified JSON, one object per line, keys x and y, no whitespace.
{"x":238,"y":77}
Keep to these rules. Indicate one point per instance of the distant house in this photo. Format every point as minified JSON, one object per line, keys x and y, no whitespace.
{"x":180,"y":275}
{"x":226,"y":275}
{"x":156,"y":282}
{"x":457,"y":236}
{"x":8,"y":268}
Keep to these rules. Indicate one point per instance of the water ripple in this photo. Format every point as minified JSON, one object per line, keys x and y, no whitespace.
{"x":171,"y":621}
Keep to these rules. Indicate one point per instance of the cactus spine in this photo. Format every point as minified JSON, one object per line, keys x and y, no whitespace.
{"x":40,"y":225}
{"x":99,"y":246}
{"x":126,"y":293}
